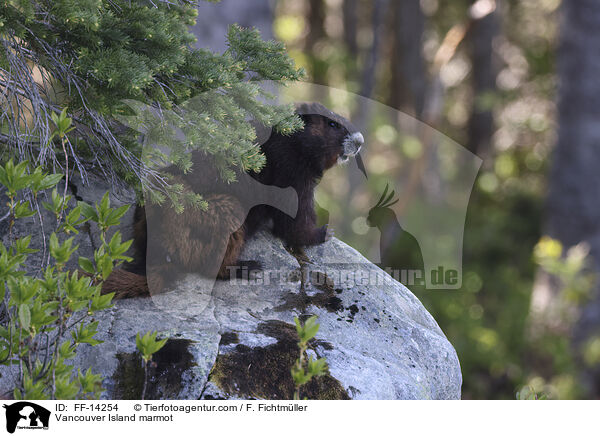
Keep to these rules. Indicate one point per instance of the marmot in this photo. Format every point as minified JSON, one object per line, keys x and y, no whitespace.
{"x":208,"y":242}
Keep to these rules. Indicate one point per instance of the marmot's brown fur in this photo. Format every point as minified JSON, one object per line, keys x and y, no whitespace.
{"x":208,"y":242}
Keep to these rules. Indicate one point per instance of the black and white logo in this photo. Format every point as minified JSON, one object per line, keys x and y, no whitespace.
{"x":26,"y":415}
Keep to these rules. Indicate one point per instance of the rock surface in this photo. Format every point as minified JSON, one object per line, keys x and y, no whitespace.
{"x":237,"y":339}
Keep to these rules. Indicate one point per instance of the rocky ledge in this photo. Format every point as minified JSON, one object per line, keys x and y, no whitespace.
{"x":236,"y":339}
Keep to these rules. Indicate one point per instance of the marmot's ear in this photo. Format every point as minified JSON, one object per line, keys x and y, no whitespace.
{"x":317,"y":109}
{"x":306,"y":118}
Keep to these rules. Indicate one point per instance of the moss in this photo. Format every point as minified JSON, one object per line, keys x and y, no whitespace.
{"x":164,"y":372}
{"x":264,"y":372}
{"x":129,"y":376}
{"x":228,"y":338}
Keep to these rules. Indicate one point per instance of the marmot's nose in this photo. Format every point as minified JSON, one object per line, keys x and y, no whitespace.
{"x":358,"y":138}
{"x":357,"y":141}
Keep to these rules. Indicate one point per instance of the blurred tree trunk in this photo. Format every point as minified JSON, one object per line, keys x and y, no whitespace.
{"x":350,"y":17}
{"x":214,"y":19}
{"x":379,"y":9}
{"x":408,"y":81}
{"x":316,"y":23}
{"x":573,"y":205}
{"x":367,"y":86}
{"x":481,"y":121}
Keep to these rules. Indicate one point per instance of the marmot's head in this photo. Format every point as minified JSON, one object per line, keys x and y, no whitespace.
{"x":327,"y":135}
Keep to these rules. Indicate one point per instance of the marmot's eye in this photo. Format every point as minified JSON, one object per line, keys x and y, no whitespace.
{"x":334,"y":124}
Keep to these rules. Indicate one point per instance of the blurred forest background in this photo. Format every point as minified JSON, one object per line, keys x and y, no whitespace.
{"x":514,"y":86}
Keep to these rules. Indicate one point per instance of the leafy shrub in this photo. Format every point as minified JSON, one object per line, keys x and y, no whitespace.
{"x":305,"y":367}
{"x":147,"y":345}
{"x":48,"y":315}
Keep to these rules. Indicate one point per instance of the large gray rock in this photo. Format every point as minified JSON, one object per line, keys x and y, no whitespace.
{"x":237,"y":339}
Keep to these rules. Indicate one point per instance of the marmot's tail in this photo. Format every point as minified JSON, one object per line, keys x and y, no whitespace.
{"x":126,"y":284}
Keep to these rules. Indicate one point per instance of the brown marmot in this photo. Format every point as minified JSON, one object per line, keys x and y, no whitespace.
{"x":209,"y":242}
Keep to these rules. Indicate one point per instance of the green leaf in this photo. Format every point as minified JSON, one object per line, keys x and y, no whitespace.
{"x":307,"y":331}
{"x":66,"y":350}
{"x":66,"y":389}
{"x":89,"y":381}
{"x":61,"y":252}
{"x":115,"y":215}
{"x":85,"y":334}
{"x":24,"y":316}
{"x":106,"y":266}
{"x":104,"y":205}
{"x":316,"y":367}
{"x":48,"y":182}
{"x":41,"y":313}
{"x":22,"y":210}
{"x":86,"y":265}
{"x":300,"y":377}
{"x":101,"y":302}
{"x":148,"y":345}
{"x":22,"y":289}
{"x":88,"y":211}
{"x":21,"y":245}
